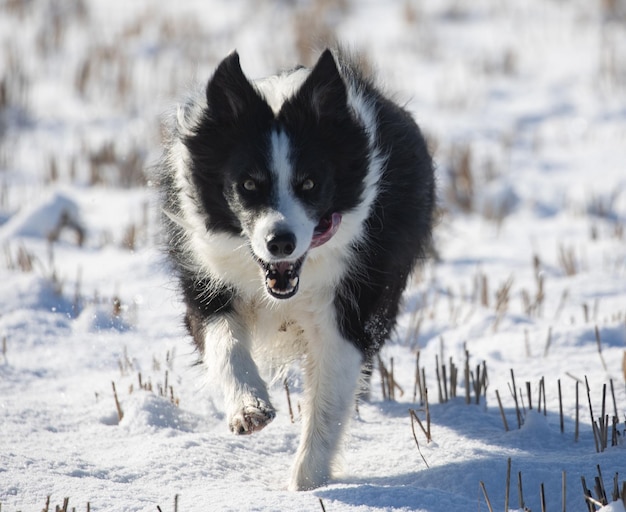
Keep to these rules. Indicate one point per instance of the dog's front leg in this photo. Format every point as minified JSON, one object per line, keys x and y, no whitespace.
{"x":229,"y":362}
{"x":332,"y":369}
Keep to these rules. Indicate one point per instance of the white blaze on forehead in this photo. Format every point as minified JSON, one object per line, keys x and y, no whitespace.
{"x":278,"y":89}
{"x":287,"y":213}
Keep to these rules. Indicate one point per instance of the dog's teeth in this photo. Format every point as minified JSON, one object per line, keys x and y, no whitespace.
{"x":271,"y":283}
{"x":293,"y":282}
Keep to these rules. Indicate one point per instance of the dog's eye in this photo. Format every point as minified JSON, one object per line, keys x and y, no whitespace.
{"x":249,"y":185}
{"x":307,"y":185}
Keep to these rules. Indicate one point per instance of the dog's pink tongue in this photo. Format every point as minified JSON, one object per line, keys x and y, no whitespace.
{"x":325,"y":230}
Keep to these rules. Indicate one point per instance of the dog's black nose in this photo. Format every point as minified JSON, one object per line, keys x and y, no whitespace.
{"x":281,"y":245}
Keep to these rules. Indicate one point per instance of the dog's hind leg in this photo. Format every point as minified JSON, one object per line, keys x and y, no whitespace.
{"x":230,"y":364}
{"x":332,"y":368}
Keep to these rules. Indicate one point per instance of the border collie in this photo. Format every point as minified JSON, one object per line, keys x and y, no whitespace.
{"x":296,"y":207}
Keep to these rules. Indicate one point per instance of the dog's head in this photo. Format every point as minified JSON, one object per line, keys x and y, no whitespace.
{"x":283,"y":175}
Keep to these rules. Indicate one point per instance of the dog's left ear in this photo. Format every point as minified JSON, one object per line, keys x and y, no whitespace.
{"x":229,"y":93}
{"x":325,"y":88}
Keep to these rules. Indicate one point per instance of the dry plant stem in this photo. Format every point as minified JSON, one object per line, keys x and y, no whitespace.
{"x":593,"y":423}
{"x":417,"y":385}
{"x":482,"y":486}
{"x":520,"y":491}
{"x":514,"y":393}
{"x":322,"y":505}
{"x":548,"y":342}
{"x":439,"y":390}
{"x":588,"y":496}
{"x":467,"y":378}
{"x":414,"y":417}
{"x":120,"y":413}
{"x":508,"y":484}
{"x":563,"y":492}
{"x":543,"y":498}
{"x":615,"y":415}
{"x":576,"y":430}
{"x":506,"y":425}
{"x":560,"y":407}
{"x":427,"y":414}
{"x":599,"y":343}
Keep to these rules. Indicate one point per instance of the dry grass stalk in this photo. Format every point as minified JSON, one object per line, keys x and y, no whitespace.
{"x":322,"y":505}
{"x":479,"y":384}
{"x":567,"y":260}
{"x":24,"y":259}
{"x":67,"y":222}
{"x":461,"y":187}
{"x":502,"y":301}
{"x":484,"y":291}
{"x":129,"y":241}
{"x":508,"y":484}
{"x":4,"y":349}
{"x":482,"y":487}
{"x":513,"y":391}
{"x":506,"y":425}
{"x":613,"y":396}
{"x":467,"y":377}
{"x":593,"y":422}
{"x":591,"y":503}
{"x":599,"y":344}
{"x":548,"y":342}
{"x":388,"y":382}
{"x":415,"y":324}
{"x":542,"y":394}
{"x":439,"y":387}
{"x":120,"y":412}
{"x":520,"y":491}
{"x":561,"y":305}
{"x":420,"y":380}
{"x":577,"y":428}
{"x":414,"y":419}
{"x":561,"y":423}
{"x":533,"y":306}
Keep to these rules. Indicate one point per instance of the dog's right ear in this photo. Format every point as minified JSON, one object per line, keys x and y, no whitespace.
{"x":229,"y":93}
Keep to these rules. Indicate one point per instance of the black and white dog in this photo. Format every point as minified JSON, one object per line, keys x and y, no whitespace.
{"x":296,"y":207}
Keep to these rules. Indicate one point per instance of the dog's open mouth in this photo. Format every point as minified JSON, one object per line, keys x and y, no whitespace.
{"x":282,"y":278}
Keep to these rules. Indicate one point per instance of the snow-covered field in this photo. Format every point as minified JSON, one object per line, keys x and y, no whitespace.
{"x":524,"y":104}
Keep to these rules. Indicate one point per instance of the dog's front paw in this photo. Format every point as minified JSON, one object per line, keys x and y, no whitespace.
{"x":251,"y":417}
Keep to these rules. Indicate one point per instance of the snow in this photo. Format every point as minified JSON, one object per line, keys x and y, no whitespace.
{"x":533,"y":89}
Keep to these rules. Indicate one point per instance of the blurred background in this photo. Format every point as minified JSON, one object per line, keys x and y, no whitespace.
{"x":498,"y":86}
